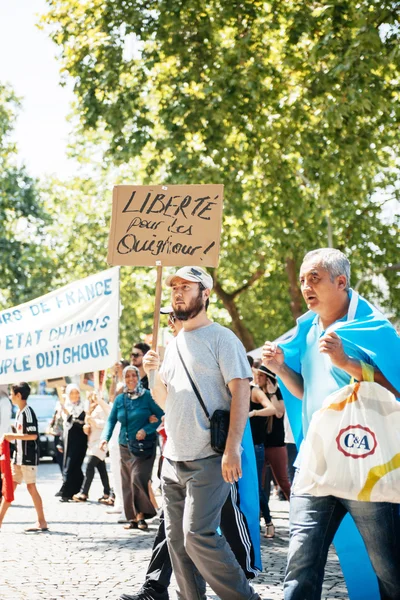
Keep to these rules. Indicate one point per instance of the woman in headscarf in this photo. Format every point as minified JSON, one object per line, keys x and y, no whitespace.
{"x":75,"y":442}
{"x":132,"y":409}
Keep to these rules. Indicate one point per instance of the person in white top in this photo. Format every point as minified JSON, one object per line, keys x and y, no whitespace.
{"x":95,"y":420}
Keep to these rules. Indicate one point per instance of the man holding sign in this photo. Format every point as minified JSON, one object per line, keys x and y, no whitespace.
{"x":196,"y":479}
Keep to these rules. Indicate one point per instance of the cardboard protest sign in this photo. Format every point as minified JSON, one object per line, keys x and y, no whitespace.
{"x":92,"y":381}
{"x":57,"y":382}
{"x":69,"y":331}
{"x":177,"y":225}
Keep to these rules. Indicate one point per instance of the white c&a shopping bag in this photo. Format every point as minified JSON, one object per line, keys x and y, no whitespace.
{"x":352,"y":448}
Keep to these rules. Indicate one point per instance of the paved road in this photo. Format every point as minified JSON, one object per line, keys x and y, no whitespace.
{"x":86,"y":554}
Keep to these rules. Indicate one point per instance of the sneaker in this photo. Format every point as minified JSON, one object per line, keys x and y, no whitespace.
{"x":115,"y":510}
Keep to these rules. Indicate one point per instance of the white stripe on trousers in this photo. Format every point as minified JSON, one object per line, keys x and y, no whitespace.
{"x":242,"y":529}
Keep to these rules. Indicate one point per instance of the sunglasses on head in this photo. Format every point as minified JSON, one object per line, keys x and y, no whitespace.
{"x":136,"y":354}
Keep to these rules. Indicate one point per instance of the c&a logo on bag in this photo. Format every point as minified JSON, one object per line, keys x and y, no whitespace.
{"x":356,"y":441}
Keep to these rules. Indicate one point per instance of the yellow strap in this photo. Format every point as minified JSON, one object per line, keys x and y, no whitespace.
{"x":367,"y":373}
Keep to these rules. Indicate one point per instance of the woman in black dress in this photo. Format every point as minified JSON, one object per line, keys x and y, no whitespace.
{"x":75,"y":442}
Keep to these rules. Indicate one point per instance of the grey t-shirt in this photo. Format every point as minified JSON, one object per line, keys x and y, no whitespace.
{"x":213,"y":356}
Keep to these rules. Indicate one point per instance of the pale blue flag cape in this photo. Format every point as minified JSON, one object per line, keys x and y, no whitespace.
{"x":247,"y":493}
{"x":376,"y":336}
{"x":244,"y":508}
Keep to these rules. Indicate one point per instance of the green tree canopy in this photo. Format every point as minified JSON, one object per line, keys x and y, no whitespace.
{"x":25,"y":265}
{"x":294,"y":106}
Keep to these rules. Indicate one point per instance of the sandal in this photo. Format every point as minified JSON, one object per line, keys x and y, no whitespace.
{"x":269,"y":530}
{"x":104,"y":499}
{"x":131,"y":525}
{"x":36,"y":529}
{"x":79,"y":498}
{"x":141,"y":524}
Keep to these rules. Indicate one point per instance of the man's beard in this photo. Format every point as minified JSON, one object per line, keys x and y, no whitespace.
{"x":195,"y":307}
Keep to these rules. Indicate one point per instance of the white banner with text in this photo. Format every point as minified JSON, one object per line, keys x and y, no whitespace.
{"x":69,"y":331}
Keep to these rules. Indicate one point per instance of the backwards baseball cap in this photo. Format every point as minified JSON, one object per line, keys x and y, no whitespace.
{"x":196,"y":274}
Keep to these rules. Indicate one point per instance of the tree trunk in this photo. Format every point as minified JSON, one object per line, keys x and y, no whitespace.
{"x":296,"y":304}
{"x":238,"y":325}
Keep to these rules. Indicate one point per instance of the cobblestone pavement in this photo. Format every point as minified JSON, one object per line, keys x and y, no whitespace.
{"x":86,"y":554}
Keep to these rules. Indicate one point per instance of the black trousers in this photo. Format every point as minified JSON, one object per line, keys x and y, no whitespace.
{"x":159,"y":571}
{"x":292,"y":455}
{"x":95,"y":463}
{"x":58,"y":441}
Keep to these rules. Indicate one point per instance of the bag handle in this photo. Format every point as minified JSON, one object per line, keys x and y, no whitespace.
{"x":367,"y":372}
{"x":196,"y":391}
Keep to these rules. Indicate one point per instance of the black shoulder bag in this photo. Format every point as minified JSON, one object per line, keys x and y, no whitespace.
{"x":219,"y":422}
{"x":140,"y":448}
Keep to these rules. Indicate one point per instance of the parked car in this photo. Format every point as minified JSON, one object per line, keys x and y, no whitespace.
{"x":44,"y":406}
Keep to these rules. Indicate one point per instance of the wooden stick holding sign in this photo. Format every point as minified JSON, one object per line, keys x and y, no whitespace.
{"x":156,"y":318}
{"x":96,"y":381}
{"x":176,"y":226}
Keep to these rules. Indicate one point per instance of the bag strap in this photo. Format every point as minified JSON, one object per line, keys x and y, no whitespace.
{"x":196,"y":391}
{"x":126,"y":419}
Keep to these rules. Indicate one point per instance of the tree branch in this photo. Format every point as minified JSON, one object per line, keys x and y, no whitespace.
{"x":395,"y":267}
{"x":256,"y":275}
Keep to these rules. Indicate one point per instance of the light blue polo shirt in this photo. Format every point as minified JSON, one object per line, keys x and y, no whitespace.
{"x":321,"y":377}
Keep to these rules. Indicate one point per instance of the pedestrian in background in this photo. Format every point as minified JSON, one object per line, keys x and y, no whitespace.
{"x":75,"y":442}
{"x":261,"y":412}
{"x":139,"y":350}
{"x":116,"y":378}
{"x":95,"y":421}
{"x":132,"y":409}
{"x":26,"y":454}
{"x":56,"y":428}
{"x":274,"y":444}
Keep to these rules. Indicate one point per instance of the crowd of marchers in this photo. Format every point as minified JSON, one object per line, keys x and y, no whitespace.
{"x":216,"y":422}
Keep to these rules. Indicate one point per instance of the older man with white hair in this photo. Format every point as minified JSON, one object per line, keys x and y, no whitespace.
{"x":341,"y":331}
